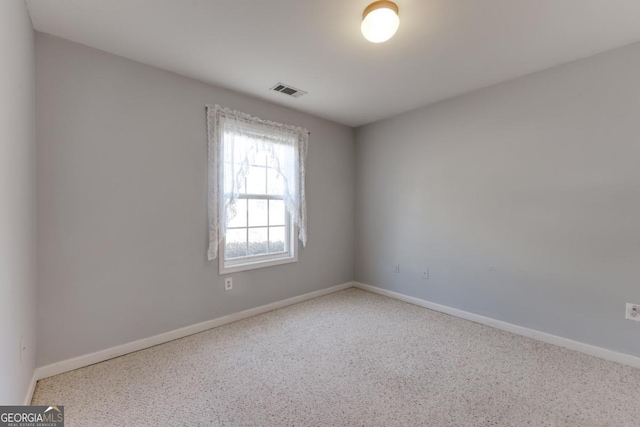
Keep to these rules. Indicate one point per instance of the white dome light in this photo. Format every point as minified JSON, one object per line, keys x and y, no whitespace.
{"x":380,"y":21}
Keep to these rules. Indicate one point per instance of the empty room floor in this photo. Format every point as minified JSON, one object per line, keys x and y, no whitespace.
{"x":352,"y":358}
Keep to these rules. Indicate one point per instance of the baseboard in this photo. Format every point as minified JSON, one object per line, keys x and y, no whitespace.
{"x":121,"y":350}
{"x":30,"y":390}
{"x":602,"y":353}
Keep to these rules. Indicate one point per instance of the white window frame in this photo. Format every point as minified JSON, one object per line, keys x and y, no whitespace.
{"x":293,"y":170}
{"x":252,"y":262}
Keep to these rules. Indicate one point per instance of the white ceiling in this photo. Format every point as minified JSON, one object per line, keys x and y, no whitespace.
{"x":443,"y":47}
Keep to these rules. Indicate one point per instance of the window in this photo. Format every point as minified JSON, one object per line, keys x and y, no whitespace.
{"x":256,"y":190}
{"x":261,"y":230}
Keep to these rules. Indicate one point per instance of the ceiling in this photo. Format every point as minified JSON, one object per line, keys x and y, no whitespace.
{"x":443,"y":48}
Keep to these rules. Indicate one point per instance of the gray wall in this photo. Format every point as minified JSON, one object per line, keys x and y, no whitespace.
{"x":522,"y":199}
{"x":17,"y":202}
{"x":122,"y":181}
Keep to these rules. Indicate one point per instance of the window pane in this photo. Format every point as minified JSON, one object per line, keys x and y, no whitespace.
{"x":240,"y":147}
{"x":258,"y":215}
{"x":228,"y":148}
{"x":276,"y":212}
{"x":261,"y":159}
{"x":236,"y":243}
{"x":257,"y":241}
{"x":242,"y":186}
{"x":256,"y":180}
{"x":240,"y":220}
{"x":275,"y":183}
{"x":228,"y":178}
{"x":276,"y":239}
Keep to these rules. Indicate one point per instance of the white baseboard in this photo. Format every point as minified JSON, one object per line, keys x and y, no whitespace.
{"x":602,"y":353}
{"x":121,"y":350}
{"x":30,"y":390}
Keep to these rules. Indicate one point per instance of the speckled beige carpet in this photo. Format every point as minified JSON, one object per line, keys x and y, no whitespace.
{"x":352,"y":358}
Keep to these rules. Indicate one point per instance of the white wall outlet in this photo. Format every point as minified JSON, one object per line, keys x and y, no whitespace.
{"x":228,"y":284}
{"x":396,"y":268}
{"x":425,"y":273}
{"x":633,"y":312}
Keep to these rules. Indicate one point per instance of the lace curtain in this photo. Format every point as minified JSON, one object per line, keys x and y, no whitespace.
{"x":235,"y":140}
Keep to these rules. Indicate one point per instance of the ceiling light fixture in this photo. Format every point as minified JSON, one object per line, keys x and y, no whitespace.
{"x":380,"y":21}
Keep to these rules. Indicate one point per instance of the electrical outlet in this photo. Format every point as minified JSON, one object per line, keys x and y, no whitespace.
{"x":228,"y":284}
{"x":633,"y":312}
{"x":396,"y":269}
{"x":425,"y":273}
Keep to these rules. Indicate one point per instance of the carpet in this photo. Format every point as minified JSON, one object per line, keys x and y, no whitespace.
{"x":352,"y":358}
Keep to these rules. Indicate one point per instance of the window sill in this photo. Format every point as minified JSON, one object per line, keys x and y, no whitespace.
{"x":249,"y":265}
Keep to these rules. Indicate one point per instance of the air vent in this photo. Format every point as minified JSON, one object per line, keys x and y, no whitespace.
{"x":288,"y":90}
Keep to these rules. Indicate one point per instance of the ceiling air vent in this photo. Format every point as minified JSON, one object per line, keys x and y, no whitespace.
{"x":288,"y":90}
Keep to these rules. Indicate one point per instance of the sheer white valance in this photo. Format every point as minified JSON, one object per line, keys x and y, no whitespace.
{"x":235,"y":141}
